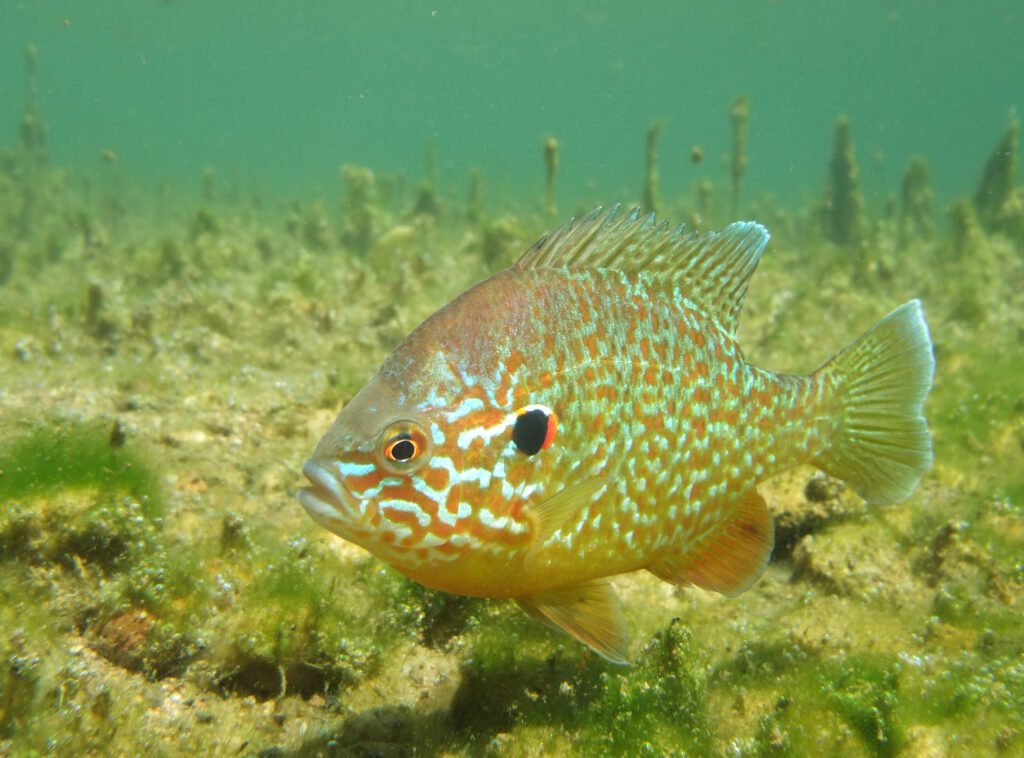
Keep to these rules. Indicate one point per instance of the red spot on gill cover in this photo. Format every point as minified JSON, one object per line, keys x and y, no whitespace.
{"x":552,"y":429}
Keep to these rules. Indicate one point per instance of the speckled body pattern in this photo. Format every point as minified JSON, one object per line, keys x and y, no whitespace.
{"x":651,"y":395}
{"x":623,"y":332}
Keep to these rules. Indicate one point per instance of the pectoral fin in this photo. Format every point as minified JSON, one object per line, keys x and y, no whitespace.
{"x":555,"y":512}
{"x":729,"y":559}
{"x":590,"y":612}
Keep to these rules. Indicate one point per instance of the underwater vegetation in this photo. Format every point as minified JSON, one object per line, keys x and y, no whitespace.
{"x":844,"y":204}
{"x":651,"y":200}
{"x":167,"y":362}
{"x":739,"y":115}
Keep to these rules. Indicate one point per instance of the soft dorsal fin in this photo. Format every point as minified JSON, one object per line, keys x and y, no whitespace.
{"x":712,"y":268}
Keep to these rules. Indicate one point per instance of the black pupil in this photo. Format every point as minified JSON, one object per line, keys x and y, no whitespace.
{"x":530,"y":431}
{"x":403,"y":450}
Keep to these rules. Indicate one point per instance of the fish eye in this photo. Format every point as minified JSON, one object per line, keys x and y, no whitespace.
{"x":534,"y":429}
{"x":403,"y":446}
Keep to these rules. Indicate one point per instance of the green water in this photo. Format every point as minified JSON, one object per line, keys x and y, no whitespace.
{"x":282,"y":94}
{"x":192,"y":285}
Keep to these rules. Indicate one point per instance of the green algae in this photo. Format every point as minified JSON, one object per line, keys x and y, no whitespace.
{"x":89,"y":506}
{"x":436,"y":617}
{"x":65,"y":454}
{"x":76,"y":495}
{"x":197,"y":590}
{"x":290,"y":629}
{"x":976,"y":405}
{"x":866,"y":696}
{"x":659,"y":707}
{"x":655,"y":707}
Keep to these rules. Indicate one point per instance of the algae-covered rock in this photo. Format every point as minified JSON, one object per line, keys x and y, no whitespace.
{"x":825,"y":501}
{"x":293,"y":628}
{"x":842,"y":561}
{"x":21,"y":678}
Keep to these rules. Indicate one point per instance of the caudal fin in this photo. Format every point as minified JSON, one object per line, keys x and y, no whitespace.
{"x":883,"y":447}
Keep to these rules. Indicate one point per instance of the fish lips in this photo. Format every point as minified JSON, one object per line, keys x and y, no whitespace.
{"x":327,"y":501}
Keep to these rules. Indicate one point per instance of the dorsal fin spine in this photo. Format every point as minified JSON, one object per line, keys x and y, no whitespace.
{"x":712,"y":269}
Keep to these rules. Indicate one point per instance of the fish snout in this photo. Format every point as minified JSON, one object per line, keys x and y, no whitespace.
{"x":327,"y":501}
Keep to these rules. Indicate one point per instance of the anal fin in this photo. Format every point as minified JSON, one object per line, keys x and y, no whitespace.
{"x":590,"y":612}
{"x":729,"y":559}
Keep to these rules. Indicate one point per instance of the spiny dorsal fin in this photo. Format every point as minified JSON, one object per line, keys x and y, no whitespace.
{"x":713,"y":268}
{"x":731,"y":558}
{"x":590,"y":612}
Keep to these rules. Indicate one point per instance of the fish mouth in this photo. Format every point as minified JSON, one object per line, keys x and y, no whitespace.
{"x":327,"y":501}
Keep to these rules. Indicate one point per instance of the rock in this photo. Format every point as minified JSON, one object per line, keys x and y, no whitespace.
{"x":853,"y":561}
{"x":825,"y":501}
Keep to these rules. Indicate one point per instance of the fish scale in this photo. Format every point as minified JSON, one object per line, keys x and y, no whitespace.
{"x":730,"y":419}
{"x":588,"y":413}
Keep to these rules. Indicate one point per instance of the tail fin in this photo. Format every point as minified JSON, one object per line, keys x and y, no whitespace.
{"x":883,"y":447}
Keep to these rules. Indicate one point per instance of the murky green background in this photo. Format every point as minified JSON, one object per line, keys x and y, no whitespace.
{"x":283,"y":93}
{"x":218,"y":218}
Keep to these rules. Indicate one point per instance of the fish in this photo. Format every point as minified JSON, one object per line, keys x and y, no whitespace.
{"x":588,"y":412}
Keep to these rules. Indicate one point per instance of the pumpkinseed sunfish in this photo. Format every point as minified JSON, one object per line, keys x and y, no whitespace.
{"x":588,"y":412}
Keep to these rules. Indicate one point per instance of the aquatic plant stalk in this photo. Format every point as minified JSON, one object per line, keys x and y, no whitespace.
{"x":999,"y":177}
{"x":475,"y":197}
{"x":650,"y":197}
{"x":916,"y":202}
{"x":551,"y":168}
{"x":844,"y":204}
{"x":739,"y":113}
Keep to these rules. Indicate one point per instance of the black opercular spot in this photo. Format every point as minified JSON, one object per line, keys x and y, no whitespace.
{"x":403,"y":450}
{"x":530,"y":431}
